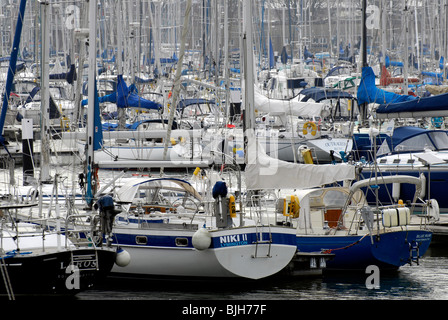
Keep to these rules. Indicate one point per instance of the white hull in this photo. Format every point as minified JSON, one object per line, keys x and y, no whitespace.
{"x":240,"y":258}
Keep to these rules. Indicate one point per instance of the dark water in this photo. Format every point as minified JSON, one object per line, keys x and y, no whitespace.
{"x":426,"y":281}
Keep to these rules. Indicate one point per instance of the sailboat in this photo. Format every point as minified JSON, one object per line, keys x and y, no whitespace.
{"x":170,"y":230}
{"x":368,"y":233}
{"x":38,"y":259}
{"x":333,"y":214}
{"x":406,"y":150}
{"x":35,"y":255}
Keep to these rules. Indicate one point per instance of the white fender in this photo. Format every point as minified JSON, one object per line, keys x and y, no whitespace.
{"x":396,"y":191}
{"x":201,"y":239}
{"x":423,"y":191}
{"x":433,"y":209}
{"x":123,"y":258}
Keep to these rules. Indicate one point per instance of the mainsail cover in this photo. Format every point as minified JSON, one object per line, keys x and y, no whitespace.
{"x":369,"y":93}
{"x":265,"y":172}
{"x":69,"y":76}
{"x":432,"y":106}
{"x":287,"y":107}
{"x":128,"y":99}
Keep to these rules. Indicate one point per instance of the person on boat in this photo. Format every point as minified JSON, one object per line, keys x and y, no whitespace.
{"x":107,"y":211}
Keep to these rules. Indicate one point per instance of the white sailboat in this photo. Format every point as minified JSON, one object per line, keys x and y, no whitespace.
{"x":171,"y":230}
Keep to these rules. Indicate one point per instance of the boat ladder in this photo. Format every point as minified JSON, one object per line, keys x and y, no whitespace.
{"x":259,"y":207}
{"x":85,"y":261}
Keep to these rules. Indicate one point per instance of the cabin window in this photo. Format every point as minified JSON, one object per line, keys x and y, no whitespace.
{"x":416,"y":143}
{"x":181,"y":242}
{"x":397,"y":160}
{"x":411,"y":160}
{"x":141,"y":240}
{"x":440,"y":139}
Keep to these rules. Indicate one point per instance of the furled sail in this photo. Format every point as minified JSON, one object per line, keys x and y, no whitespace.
{"x":265,"y":172}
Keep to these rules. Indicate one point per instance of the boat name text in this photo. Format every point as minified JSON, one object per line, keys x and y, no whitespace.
{"x":233,"y":240}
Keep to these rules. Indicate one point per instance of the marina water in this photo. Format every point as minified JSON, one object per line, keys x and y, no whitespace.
{"x":425,"y":281}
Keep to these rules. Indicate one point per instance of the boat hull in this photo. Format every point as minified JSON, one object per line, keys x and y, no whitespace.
{"x":388,"y":251}
{"x":64,"y":272}
{"x":232,"y":253}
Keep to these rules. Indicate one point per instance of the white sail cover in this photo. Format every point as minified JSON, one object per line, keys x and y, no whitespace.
{"x":265,"y":172}
{"x":292,"y":107}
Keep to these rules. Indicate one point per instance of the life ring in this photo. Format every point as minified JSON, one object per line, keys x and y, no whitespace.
{"x":309,"y":125}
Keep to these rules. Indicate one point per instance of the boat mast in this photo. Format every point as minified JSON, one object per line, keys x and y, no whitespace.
{"x":45,"y":93}
{"x":12,"y":68}
{"x":226,"y":61}
{"x":91,"y":99}
{"x":176,"y":89}
{"x":406,"y":53}
{"x":119,"y":59}
{"x":248,"y":82}
{"x":363,"y":107}
{"x":249,"y":121}
{"x":364,"y":34}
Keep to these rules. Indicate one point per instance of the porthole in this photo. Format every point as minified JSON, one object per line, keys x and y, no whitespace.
{"x":141,"y":240}
{"x":181,"y":242}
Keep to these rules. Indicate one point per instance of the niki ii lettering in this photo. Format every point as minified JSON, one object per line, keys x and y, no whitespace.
{"x":233,"y":240}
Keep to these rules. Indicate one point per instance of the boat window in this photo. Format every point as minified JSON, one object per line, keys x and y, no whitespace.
{"x":440,"y":139}
{"x":419,"y":142}
{"x":181,"y":242}
{"x":335,"y":198}
{"x":141,"y":240}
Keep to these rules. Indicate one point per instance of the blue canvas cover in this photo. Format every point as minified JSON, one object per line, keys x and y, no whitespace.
{"x":128,"y":99}
{"x":426,"y":104}
{"x":70,"y":76}
{"x":403,"y":133}
{"x":318,"y":94}
{"x":369,"y":93}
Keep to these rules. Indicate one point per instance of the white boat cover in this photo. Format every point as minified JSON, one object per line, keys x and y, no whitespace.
{"x":292,"y":107}
{"x":265,"y":172}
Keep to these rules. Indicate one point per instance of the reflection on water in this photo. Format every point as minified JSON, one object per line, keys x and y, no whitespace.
{"x":424,"y":281}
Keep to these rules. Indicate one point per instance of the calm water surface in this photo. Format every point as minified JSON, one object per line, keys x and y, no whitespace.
{"x":426,"y":281}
